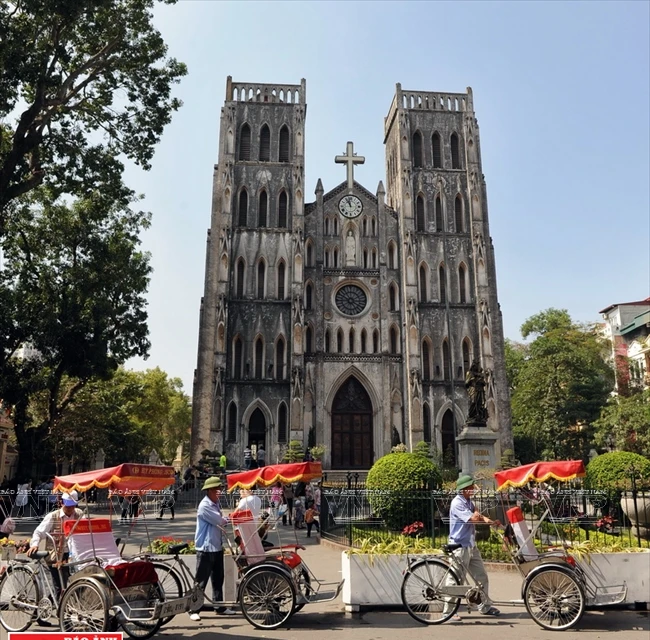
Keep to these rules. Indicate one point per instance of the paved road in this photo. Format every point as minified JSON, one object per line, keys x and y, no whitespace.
{"x":326,"y":621}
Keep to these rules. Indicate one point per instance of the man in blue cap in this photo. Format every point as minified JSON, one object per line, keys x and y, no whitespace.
{"x":463,"y":517}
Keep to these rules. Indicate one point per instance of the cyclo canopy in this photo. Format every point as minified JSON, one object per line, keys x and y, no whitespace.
{"x":273,"y":473}
{"x":128,"y":478}
{"x":540,"y":472}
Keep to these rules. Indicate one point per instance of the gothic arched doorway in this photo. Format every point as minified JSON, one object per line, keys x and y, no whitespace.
{"x":257,"y":429}
{"x":448,"y":439}
{"x":352,"y":446}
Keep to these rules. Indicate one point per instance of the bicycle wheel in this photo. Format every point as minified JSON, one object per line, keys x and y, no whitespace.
{"x":554,"y":598}
{"x":84,"y":607}
{"x":304,"y":587}
{"x":267,"y":598}
{"x":423,"y":591}
{"x":144,"y":629}
{"x":170,"y":582}
{"x":19,"y":597}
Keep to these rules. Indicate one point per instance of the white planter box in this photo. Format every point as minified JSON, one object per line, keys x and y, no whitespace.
{"x":372,"y":580}
{"x":610,"y":569}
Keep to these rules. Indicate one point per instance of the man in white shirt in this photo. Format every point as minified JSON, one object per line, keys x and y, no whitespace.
{"x":52,"y":524}
{"x":250,"y":502}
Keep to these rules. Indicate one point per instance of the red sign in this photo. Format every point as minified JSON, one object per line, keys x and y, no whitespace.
{"x":67,"y":635}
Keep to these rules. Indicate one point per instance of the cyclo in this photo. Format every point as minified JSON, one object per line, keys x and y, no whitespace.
{"x":104,"y":591}
{"x":273,"y":583}
{"x":556,"y":590}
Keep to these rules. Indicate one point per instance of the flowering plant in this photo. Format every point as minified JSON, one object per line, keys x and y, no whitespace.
{"x":413,"y":530}
{"x":161,"y":545}
{"x":605,"y":524}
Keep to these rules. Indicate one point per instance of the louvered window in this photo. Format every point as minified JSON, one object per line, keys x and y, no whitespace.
{"x":458,"y":211}
{"x":309,"y":340}
{"x":239,"y":287}
{"x":261,"y":274}
{"x":437,"y":151}
{"x":392,"y":299}
{"x":439,"y":221}
{"x":446,"y":360}
{"x":455,"y":152}
{"x":426,"y":426}
{"x":281,"y":270}
{"x":279,"y":360}
{"x":426,"y":361}
{"x":419,"y":214}
{"x":282,"y":210}
{"x":308,"y":297}
{"x":232,"y":423}
{"x":265,"y":144}
{"x":284,"y":145}
{"x":259,"y":358}
{"x":245,"y":143}
{"x":243,"y":208}
{"x":282,"y":423}
{"x":417,"y":149}
{"x":423,"y":284}
{"x":461,"y":284}
{"x":263,"y":209}
{"x":443,"y":285}
{"x":237,"y":359}
{"x":465,"y":356}
{"x":393,"y":340}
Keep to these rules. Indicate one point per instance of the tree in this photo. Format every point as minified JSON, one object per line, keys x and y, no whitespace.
{"x":624,"y":423}
{"x":72,"y":286}
{"x":560,"y":386}
{"x":83,"y":83}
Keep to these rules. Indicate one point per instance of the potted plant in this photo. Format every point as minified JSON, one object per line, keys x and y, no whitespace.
{"x":630,"y":473}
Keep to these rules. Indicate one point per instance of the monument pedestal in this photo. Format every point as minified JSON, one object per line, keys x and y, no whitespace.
{"x":477,"y":447}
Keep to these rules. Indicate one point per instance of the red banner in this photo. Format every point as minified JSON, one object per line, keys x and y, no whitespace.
{"x":84,"y":525}
{"x":269,"y":475}
{"x":540,"y":472}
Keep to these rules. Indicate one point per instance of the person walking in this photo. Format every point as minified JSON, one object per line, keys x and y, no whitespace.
{"x":223,"y":463}
{"x":462,"y":530}
{"x":311,"y":520}
{"x":288,"y":497}
{"x":261,"y":456}
{"x":169,"y":500}
{"x":22,"y":497}
{"x":208,"y":541}
{"x":248,"y":458}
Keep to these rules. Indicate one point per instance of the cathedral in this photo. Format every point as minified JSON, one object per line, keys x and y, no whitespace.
{"x":350,"y":321}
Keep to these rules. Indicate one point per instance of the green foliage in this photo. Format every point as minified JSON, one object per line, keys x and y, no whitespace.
{"x":317,"y":451}
{"x":84,"y":84}
{"x":560,"y":382}
{"x":422,"y":448}
{"x":160,"y":546}
{"x":625,"y":423}
{"x":294,"y":452}
{"x":399,"y":448}
{"x":395,"y":474}
{"x":615,"y":470}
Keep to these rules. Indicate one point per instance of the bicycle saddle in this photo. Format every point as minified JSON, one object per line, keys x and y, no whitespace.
{"x":177,"y":548}
{"x":39,"y":555}
{"x":450,"y":548}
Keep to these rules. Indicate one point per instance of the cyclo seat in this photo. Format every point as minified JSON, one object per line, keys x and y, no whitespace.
{"x":450,"y":548}
{"x":177,"y":548}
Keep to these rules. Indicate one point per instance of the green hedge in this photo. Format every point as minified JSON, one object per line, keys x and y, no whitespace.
{"x":613,"y":470}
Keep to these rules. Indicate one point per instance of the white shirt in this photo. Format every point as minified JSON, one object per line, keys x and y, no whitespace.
{"x":47,"y":526}
{"x":251,"y":503}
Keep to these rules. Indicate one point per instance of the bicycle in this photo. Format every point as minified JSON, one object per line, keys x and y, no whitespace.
{"x":27,"y":592}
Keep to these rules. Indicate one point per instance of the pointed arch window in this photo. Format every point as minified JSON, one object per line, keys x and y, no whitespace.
{"x":243,"y":208}
{"x":374,"y":225}
{"x":426,"y":423}
{"x":284,"y":144}
{"x":339,"y":341}
{"x":245,"y":143}
{"x":392,"y":255}
{"x":439,"y":218}
{"x":458,"y":214}
{"x":351,"y":340}
{"x":426,"y":361}
{"x":392,"y":298}
{"x":232,"y":423}
{"x":237,"y":357}
{"x":417,"y":149}
{"x":310,"y":254}
{"x":443,"y":284}
{"x":374,"y":258}
{"x":327,"y":341}
{"x":279,"y":359}
{"x":364,"y":341}
{"x":327,"y":226}
{"x":327,"y":257}
{"x":309,"y":292}
{"x":265,"y":144}
{"x":420,"y":223}
{"x":259,"y":359}
{"x":375,"y":341}
{"x":446,"y":360}
{"x":466,"y":363}
{"x":281,"y":279}
{"x":365,"y":226}
{"x":282,"y":422}
{"x":436,"y":143}
{"x":239,"y":284}
{"x":462,"y":283}
{"x":423,"y":284}
{"x":262,"y":209}
{"x":335,"y":227}
{"x":335,"y":258}
{"x":282,"y":209}
{"x":309,"y":340}
{"x":365,"y":258}
{"x":393,"y":340}
{"x":455,"y":152}
{"x":261,"y":277}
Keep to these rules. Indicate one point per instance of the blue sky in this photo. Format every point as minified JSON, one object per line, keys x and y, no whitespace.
{"x":561,"y":97}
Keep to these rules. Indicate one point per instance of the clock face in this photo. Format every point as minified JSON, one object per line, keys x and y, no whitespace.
{"x":351,"y":300}
{"x":350,"y":206}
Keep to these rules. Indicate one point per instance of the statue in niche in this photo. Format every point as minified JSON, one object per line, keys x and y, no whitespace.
{"x":394,"y":437}
{"x":475,"y":382}
{"x":350,"y":249}
{"x":296,"y":382}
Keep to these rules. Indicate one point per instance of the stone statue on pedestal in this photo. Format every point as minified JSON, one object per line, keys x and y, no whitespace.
{"x":475,"y":382}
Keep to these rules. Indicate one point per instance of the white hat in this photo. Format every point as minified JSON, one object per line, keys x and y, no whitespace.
{"x":70,"y":499}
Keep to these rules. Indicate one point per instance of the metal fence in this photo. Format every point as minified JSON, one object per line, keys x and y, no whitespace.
{"x":608,"y":519}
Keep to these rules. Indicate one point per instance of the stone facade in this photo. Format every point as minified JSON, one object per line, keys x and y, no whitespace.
{"x":353,"y":318}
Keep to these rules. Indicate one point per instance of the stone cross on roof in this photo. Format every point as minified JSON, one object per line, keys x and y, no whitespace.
{"x":350,"y":159}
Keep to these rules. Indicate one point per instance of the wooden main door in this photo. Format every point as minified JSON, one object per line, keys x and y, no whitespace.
{"x":352,"y":446}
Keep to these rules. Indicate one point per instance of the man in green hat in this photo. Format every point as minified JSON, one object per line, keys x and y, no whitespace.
{"x":208,"y":540}
{"x":463,"y":517}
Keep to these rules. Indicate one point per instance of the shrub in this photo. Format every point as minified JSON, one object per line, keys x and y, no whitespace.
{"x":161,"y":545}
{"x":294,"y":452}
{"x":422,"y":448}
{"x":614,"y":471}
{"x":317,"y":452}
{"x":394,"y":481}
